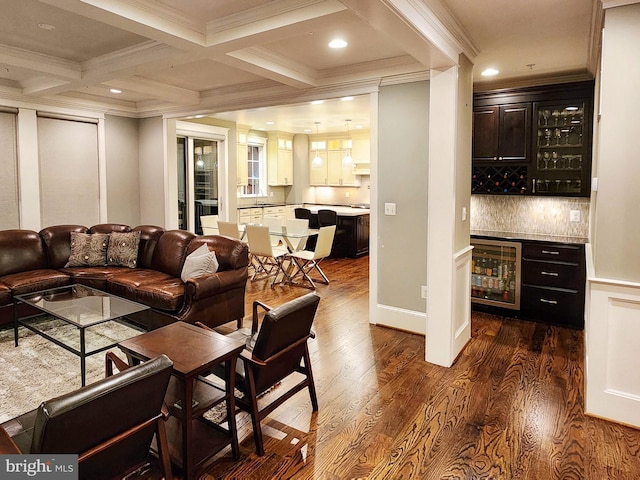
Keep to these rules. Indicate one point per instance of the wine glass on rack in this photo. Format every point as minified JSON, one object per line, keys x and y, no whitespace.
{"x":546,"y":114}
{"x":557,"y":134}
{"x":546,"y":158}
{"x":547,"y":136}
{"x":554,"y":158}
{"x":556,"y":116}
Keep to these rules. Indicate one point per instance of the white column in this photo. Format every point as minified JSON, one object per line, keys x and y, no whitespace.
{"x":448,"y":259}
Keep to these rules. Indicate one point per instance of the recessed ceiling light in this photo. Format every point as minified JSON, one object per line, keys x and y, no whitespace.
{"x":489,"y":72}
{"x":270,"y":123}
{"x":338,"y":43}
{"x":317,"y":102}
{"x":46,"y":26}
{"x":115,"y":90}
{"x":346,"y":99}
{"x":307,"y":130}
{"x":358,"y":126}
{"x":199,"y":116}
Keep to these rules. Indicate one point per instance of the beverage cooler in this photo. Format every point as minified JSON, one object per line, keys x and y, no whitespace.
{"x":495,"y":273}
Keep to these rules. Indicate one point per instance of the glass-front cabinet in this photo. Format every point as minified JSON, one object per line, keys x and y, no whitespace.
{"x":495,"y":273}
{"x":561,"y":163}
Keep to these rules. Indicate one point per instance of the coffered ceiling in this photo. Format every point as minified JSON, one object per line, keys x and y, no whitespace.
{"x":187,"y":57}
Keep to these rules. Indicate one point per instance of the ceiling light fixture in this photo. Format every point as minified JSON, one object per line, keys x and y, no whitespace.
{"x":346,"y":99}
{"x":347,"y":161}
{"x":317,"y":102}
{"x":338,"y":43}
{"x":115,"y":90}
{"x":317,"y":160}
{"x":490,"y":72}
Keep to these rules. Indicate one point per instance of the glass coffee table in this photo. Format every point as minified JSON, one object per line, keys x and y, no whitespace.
{"x":80,"y":319}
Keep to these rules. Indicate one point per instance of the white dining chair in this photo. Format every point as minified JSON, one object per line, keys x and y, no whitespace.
{"x":268,"y":259}
{"x":275,"y":226}
{"x":306,"y":261}
{"x":209,"y":224}
{"x":229,"y":229}
{"x":295,"y":227}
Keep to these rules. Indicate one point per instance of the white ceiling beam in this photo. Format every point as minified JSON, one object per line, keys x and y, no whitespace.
{"x":38,"y":62}
{"x":273,"y":66}
{"x":158,"y":90}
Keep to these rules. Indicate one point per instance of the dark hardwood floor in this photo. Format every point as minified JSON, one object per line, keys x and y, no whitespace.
{"x":511,"y":407}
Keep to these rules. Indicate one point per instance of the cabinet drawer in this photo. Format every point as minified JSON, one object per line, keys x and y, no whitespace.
{"x":554,"y":252}
{"x":553,"y":305}
{"x":551,"y":274}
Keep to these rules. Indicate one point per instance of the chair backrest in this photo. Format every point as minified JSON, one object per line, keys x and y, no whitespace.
{"x":209,"y":221}
{"x":297,"y":225}
{"x":99,"y":413}
{"x":229,"y":229}
{"x":302,"y":213}
{"x":325,"y":241}
{"x":281,"y":327}
{"x":275,"y":224}
{"x":259,"y":240}
{"x":327,"y":217}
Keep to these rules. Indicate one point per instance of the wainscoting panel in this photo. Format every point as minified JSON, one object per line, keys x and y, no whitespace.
{"x":613,"y":351}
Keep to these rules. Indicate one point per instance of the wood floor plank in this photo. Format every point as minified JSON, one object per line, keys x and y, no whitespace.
{"x":511,"y":407}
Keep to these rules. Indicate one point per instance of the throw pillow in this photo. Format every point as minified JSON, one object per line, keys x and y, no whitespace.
{"x":88,"y":249}
{"x":123,"y":249}
{"x":198,"y":263}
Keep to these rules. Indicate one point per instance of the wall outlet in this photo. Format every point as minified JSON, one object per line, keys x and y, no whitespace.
{"x":389,"y":208}
{"x":423,"y":291}
{"x":347,"y":194}
{"x":271,"y":194}
{"x":574,"y":215}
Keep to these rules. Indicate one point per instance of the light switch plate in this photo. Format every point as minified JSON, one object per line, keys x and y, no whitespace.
{"x":389,"y":208}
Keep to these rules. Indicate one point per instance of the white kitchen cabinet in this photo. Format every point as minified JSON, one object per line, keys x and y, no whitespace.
{"x":280,"y":159}
{"x":332,"y":172}
{"x":242,"y":157}
{"x":339,"y":173}
{"x":318,"y":174}
{"x":275,"y":212}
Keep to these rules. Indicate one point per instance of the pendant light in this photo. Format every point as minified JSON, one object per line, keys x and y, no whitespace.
{"x":317,"y":160}
{"x":347,"y":161}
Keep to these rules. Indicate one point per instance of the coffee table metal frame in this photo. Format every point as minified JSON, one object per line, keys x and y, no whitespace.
{"x":80,"y":306}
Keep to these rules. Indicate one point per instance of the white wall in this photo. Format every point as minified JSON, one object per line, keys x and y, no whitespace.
{"x":152,"y":171}
{"x":403,"y":154}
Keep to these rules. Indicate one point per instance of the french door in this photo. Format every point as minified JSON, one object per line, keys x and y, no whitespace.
{"x":198,"y":192}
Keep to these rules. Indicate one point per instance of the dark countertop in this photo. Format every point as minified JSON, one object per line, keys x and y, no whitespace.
{"x":528,"y":236}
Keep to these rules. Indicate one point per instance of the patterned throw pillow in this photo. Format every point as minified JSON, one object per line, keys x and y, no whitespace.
{"x":88,"y":250}
{"x":123,"y":249}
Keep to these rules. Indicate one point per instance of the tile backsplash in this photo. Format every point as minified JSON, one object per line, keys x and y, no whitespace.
{"x":532,"y":215}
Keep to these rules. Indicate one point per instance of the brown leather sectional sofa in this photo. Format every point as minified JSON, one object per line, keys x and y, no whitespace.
{"x":31,"y":261}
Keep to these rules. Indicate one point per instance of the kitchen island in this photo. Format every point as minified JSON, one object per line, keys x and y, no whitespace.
{"x":355,"y":222}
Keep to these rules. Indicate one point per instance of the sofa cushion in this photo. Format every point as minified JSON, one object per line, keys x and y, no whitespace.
{"x":5,"y":295}
{"x":35,"y":280}
{"x":198,"y":263}
{"x":88,"y":250}
{"x":127,"y":284}
{"x":170,"y":252}
{"x":109,"y":228}
{"x":20,"y":251}
{"x":57,"y":241}
{"x":123,"y":249}
{"x":95,"y":277}
{"x":163,"y":295}
{"x":149,"y":236}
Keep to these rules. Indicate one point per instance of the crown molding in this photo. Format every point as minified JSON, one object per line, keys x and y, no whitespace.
{"x":533,"y":81}
{"x":617,"y":3}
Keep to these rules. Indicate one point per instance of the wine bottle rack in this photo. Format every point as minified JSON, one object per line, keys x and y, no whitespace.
{"x":499,"y":179}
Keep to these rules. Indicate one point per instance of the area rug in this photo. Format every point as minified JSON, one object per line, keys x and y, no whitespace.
{"x":38,"y":370}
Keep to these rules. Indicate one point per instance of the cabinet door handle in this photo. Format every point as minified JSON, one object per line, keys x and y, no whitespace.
{"x":552,"y":302}
{"x":550,"y":252}
{"x":551,"y":274}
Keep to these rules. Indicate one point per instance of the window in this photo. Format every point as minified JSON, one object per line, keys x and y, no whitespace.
{"x":256,"y":168}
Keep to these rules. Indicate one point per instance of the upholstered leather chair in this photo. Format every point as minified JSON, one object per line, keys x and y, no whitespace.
{"x":274,"y":351}
{"x":110,"y":424}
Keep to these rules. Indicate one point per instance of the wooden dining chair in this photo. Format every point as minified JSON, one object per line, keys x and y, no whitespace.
{"x":277,"y":348}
